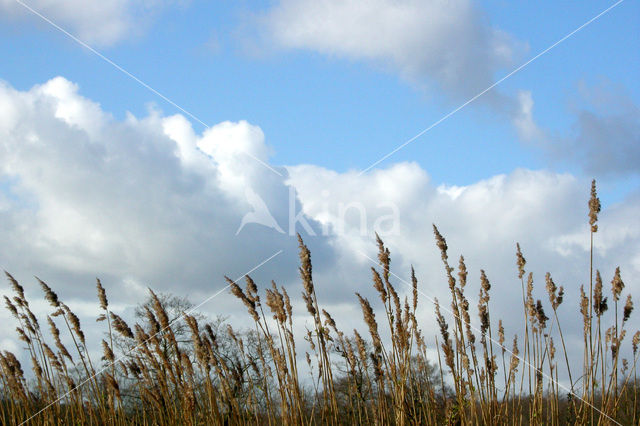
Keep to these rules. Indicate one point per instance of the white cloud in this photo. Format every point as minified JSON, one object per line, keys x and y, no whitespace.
{"x":87,"y":194}
{"x":442,"y":42}
{"x":543,"y":211}
{"x":147,"y":201}
{"x":138,"y":202}
{"x":103,"y":23}
{"x":446,"y":45}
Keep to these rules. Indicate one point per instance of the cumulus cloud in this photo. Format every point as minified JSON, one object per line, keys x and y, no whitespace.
{"x":147,"y":201}
{"x":545,"y":212}
{"x":144,"y":199}
{"x":140,"y":202}
{"x":103,"y":23}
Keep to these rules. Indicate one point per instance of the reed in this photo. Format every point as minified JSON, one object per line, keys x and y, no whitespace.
{"x":184,"y":369}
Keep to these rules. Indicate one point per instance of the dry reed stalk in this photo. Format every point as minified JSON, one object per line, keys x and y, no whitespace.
{"x":204,"y":377}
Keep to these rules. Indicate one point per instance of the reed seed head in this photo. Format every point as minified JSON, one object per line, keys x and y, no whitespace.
{"x":414,"y":288}
{"x":551,"y":291}
{"x":121,"y":326}
{"x":102,"y":295}
{"x":540,"y":315}
{"x":249,"y":302}
{"x":329,"y":320}
{"x":306,"y":268}
{"x":75,"y":324}
{"x":529,"y":303}
{"x":17,"y":288}
{"x":628,"y":308}
{"x":584,"y":309}
{"x":275,"y":302}
{"x":485,"y":286}
{"x":599,"y":303}
{"x":160,"y":312}
{"x":49,"y":294}
{"x":379,"y":285}
{"x":107,"y":353}
{"x":617,"y":285}
{"x":55,"y":332}
{"x":370,"y":320}
{"x":252,"y":289}
{"x":11,"y":307}
{"x":441,"y":243}
{"x":384,"y":257}
{"x":594,"y":207}
{"x":520,"y":261}
{"x":442,"y":323}
{"x":462,"y":272}
{"x":287,"y":304}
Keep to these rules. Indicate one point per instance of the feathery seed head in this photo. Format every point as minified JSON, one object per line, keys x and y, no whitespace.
{"x":379,"y":285}
{"x":75,"y":323}
{"x":441,"y":243}
{"x":384,"y":257}
{"x":599,"y":303}
{"x":370,"y":320}
{"x":160,"y":312}
{"x":102,"y":295}
{"x":529,"y":303}
{"x":485,"y":286}
{"x":252,"y":289}
{"x":628,"y":308}
{"x":49,"y":294}
{"x":636,"y":342}
{"x":275,"y":302}
{"x":551,"y":290}
{"x":329,"y":320}
{"x":594,"y":207}
{"x":11,"y":307}
{"x":414,"y":287}
{"x":540,"y":315}
{"x":462,"y":272}
{"x":306,"y":268}
{"x":107,"y":353}
{"x":17,"y":288}
{"x":121,"y":326}
{"x":287,"y":304}
{"x":584,"y":309}
{"x":617,"y":285}
{"x":249,"y":302}
{"x":520,"y":261}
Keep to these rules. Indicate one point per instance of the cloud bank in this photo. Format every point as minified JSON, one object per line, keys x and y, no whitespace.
{"x":149,"y":202}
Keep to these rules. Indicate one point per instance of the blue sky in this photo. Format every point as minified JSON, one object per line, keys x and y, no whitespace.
{"x":100,"y":176}
{"x":335,"y":111}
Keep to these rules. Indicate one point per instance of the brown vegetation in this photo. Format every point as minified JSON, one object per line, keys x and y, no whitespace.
{"x":152,"y":375}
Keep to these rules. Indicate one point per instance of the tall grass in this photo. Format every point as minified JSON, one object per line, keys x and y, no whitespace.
{"x":266,"y":374}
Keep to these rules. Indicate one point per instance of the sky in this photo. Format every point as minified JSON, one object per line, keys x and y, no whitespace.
{"x":135,"y":138}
